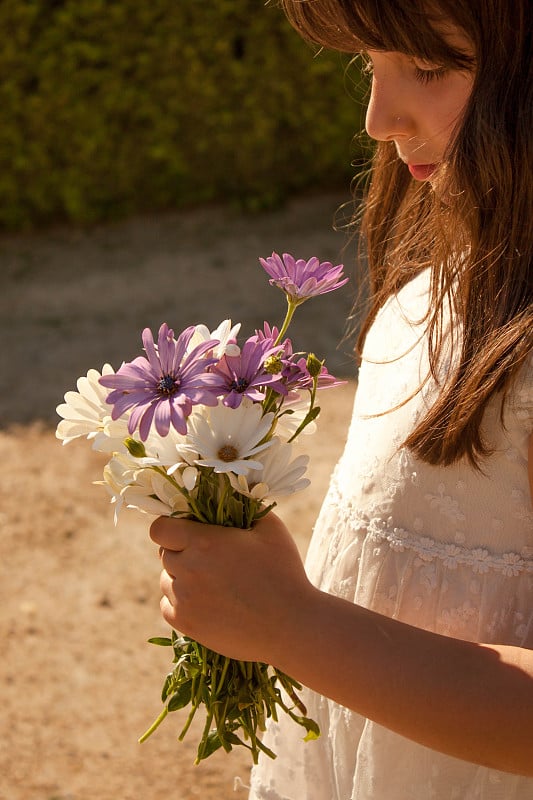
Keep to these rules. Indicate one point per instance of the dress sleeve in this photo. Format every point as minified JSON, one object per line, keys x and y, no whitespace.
{"x":521,"y":400}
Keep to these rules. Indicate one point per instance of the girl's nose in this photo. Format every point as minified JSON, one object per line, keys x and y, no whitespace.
{"x":386,"y":116}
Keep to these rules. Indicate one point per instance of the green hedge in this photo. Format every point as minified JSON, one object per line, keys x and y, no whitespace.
{"x":111,"y":108}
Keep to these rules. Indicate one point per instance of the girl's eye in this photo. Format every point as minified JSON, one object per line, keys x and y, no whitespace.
{"x":426,"y":72}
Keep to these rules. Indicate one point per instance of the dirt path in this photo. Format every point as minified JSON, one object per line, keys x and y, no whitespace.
{"x":79,"y":598}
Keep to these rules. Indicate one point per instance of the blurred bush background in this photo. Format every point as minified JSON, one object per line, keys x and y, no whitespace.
{"x":117,"y":107}
{"x":173,"y":118}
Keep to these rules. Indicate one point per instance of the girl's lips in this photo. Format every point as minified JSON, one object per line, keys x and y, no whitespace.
{"x":421,"y":172}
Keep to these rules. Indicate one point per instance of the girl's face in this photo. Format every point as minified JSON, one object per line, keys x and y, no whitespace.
{"x":416,"y":105}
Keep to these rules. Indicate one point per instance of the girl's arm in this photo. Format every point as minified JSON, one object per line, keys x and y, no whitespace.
{"x":246,"y":594}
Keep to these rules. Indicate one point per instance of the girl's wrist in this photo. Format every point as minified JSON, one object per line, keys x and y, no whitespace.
{"x":296,"y":635}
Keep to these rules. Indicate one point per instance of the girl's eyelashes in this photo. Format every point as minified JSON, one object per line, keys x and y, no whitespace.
{"x":427,"y":75}
{"x":426,"y":72}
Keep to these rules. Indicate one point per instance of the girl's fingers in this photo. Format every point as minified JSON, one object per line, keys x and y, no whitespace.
{"x":166,"y":584}
{"x":172,"y":534}
{"x":169,"y":560}
{"x":169,"y":604}
{"x":167,"y":610}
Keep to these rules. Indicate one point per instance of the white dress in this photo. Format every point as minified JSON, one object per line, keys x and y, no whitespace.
{"x":448,"y":549}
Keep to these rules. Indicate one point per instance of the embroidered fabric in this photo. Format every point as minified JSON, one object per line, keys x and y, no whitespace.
{"x":449,"y":549}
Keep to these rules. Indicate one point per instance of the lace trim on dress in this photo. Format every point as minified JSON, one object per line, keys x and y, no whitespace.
{"x":452,"y":555}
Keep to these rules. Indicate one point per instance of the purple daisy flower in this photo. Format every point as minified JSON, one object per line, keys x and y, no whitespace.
{"x":245,"y":375}
{"x":289,"y":369}
{"x":305,"y":379}
{"x":302,"y":279}
{"x":269,"y":332}
{"x":284,"y":365}
{"x":295,"y":377}
{"x":164,"y":386}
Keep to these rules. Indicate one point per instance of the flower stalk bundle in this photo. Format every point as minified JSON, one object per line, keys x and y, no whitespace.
{"x":202,"y":427}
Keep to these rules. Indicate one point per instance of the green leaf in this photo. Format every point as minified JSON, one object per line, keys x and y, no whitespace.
{"x":266,"y":749}
{"x":208,"y":746}
{"x":166,"y":686}
{"x":314,"y":413}
{"x":264,"y":512}
{"x":192,"y":669}
{"x":313,"y":731}
{"x":180,"y":698}
{"x":232,"y":738}
{"x":162,"y":641}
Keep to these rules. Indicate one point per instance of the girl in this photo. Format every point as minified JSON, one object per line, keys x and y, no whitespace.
{"x":413,"y":625}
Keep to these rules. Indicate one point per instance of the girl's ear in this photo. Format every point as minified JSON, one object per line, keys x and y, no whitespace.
{"x":530,"y":465}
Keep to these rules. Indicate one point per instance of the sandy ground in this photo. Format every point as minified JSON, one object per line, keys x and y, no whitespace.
{"x":79,"y":598}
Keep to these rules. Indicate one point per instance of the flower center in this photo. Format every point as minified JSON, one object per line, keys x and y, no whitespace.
{"x":228,"y":453}
{"x":167,"y":385}
{"x":273,"y":365}
{"x":239,"y":385}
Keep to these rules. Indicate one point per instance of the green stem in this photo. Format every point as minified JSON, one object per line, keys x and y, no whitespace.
{"x":198,"y":514}
{"x":221,"y":517}
{"x":269,"y":404}
{"x":154,"y":725}
{"x":188,"y":721}
{"x":309,"y":416}
{"x":251,"y":727}
{"x":222,"y":676}
{"x":291,"y":308}
{"x":202,"y":657}
{"x":201,"y":517}
{"x":170,"y":479}
{"x":195,"y":702}
{"x":203,"y":740}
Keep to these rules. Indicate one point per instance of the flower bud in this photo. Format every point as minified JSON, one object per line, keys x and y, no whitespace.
{"x":135,"y":448}
{"x":314,"y":365}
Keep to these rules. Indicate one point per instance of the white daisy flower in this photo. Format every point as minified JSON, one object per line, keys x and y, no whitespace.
{"x":167,"y":451}
{"x":110,"y":439}
{"x":224,"y":333}
{"x":152,"y":493}
{"x":119,"y":472}
{"x":226,"y":438}
{"x":185,"y":475}
{"x":86,"y":413}
{"x":278,"y":476}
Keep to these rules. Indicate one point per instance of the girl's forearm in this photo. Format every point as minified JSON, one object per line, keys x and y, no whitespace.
{"x":471,"y":701}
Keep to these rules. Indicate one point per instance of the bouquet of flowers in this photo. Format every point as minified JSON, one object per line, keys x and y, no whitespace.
{"x":202,"y":427}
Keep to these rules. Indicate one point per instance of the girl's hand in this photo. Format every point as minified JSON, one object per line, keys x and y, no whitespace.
{"x":236,"y":591}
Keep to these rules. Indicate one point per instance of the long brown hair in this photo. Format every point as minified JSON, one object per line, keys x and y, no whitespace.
{"x":478,"y":242}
